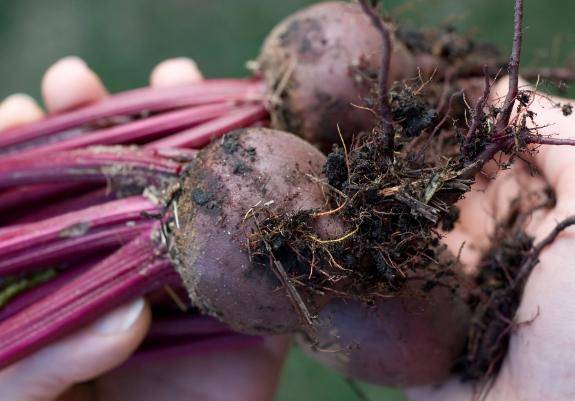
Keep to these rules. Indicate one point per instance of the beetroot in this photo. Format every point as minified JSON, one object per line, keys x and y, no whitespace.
{"x":244,"y":171}
{"x":266,"y":233}
{"x":320,"y":62}
{"x":401,"y":341}
{"x":317,"y":70}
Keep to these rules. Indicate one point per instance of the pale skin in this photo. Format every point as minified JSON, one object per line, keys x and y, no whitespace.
{"x":540,"y":363}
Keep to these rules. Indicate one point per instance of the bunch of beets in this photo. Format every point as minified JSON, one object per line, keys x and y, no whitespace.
{"x":198,"y":198}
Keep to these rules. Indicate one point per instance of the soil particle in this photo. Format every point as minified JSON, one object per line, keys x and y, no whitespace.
{"x":308,"y":34}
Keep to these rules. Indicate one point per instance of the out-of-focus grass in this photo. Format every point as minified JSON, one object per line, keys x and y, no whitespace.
{"x":306,"y":380}
{"x":123,"y":39}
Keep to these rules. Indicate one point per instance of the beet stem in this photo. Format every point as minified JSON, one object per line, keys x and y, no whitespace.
{"x":533,"y":259}
{"x":44,"y":255}
{"x":138,"y":131}
{"x":138,"y":101}
{"x":21,"y":196}
{"x":69,"y":203}
{"x":34,"y":295}
{"x":479,"y":109}
{"x":384,"y":106}
{"x":23,"y":237}
{"x":134,"y":270}
{"x":186,"y":325}
{"x":203,"y":134}
{"x":193,"y":346}
{"x":513,"y":69}
{"x":86,"y":165}
{"x":542,"y":140}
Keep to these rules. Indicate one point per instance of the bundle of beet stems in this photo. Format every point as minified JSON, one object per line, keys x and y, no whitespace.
{"x":74,"y":245}
{"x":114,"y":200}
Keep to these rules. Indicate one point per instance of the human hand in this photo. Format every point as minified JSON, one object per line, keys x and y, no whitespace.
{"x":540,"y":363}
{"x":88,"y":364}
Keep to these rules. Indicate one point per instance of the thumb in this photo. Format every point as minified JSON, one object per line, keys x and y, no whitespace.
{"x":83,"y":356}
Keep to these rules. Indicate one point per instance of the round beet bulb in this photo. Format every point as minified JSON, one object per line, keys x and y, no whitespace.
{"x":319,"y":63}
{"x":248,"y":168}
{"x":401,"y":341}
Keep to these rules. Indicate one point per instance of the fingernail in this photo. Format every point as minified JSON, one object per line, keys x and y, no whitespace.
{"x":72,"y":60}
{"x":121,"y":319}
{"x":70,"y":83}
{"x":175,"y":72}
{"x":19,"y":109}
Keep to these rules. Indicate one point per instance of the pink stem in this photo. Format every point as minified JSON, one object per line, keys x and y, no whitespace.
{"x":138,"y":101}
{"x":22,"y":195}
{"x":69,"y":249}
{"x":75,"y":196}
{"x":202,"y":135}
{"x":543,"y":140}
{"x":186,"y":347}
{"x":35,"y":294}
{"x":139,"y":131}
{"x":186,"y":325}
{"x":85,"y":165}
{"x":66,"y":205}
{"x":73,"y":224}
{"x":131,"y":272}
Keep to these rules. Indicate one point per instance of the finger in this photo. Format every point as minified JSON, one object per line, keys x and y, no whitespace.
{"x":175,"y":72}
{"x":555,"y":163}
{"x":489,"y":201}
{"x":70,"y":83}
{"x":493,"y":190}
{"x":248,"y":374}
{"x":537,"y":360}
{"x":83,"y":356}
{"x":17,"y":110}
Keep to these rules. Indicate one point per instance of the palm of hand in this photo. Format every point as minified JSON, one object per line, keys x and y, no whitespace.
{"x":540,"y":363}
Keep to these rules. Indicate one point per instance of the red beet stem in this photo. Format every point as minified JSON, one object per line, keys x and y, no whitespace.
{"x":74,"y":224}
{"x":193,"y":346}
{"x":37,"y":293}
{"x":67,"y":204}
{"x":185,"y":325}
{"x":135,"y":269}
{"x":202,"y":135}
{"x":86,"y":165}
{"x":22,"y":196}
{"x":139,"y":131}
{"x":63,"y":249}
{"x":75,"y":197}
{"x":138,"y":101}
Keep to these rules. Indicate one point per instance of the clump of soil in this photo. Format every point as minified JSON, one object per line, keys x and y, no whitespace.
{"x":495,"y":299}
{"x":390,"y":211}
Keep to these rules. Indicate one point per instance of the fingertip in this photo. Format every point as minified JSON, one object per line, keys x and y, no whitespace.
{"x":132,"y":318}
{"x":70,"y":83}
{"x":83,"y":356}
{"x":175,"y":72}
{"x":19,"y":109}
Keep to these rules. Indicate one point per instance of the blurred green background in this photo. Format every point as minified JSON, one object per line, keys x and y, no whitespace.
{"x":123,"y":39}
